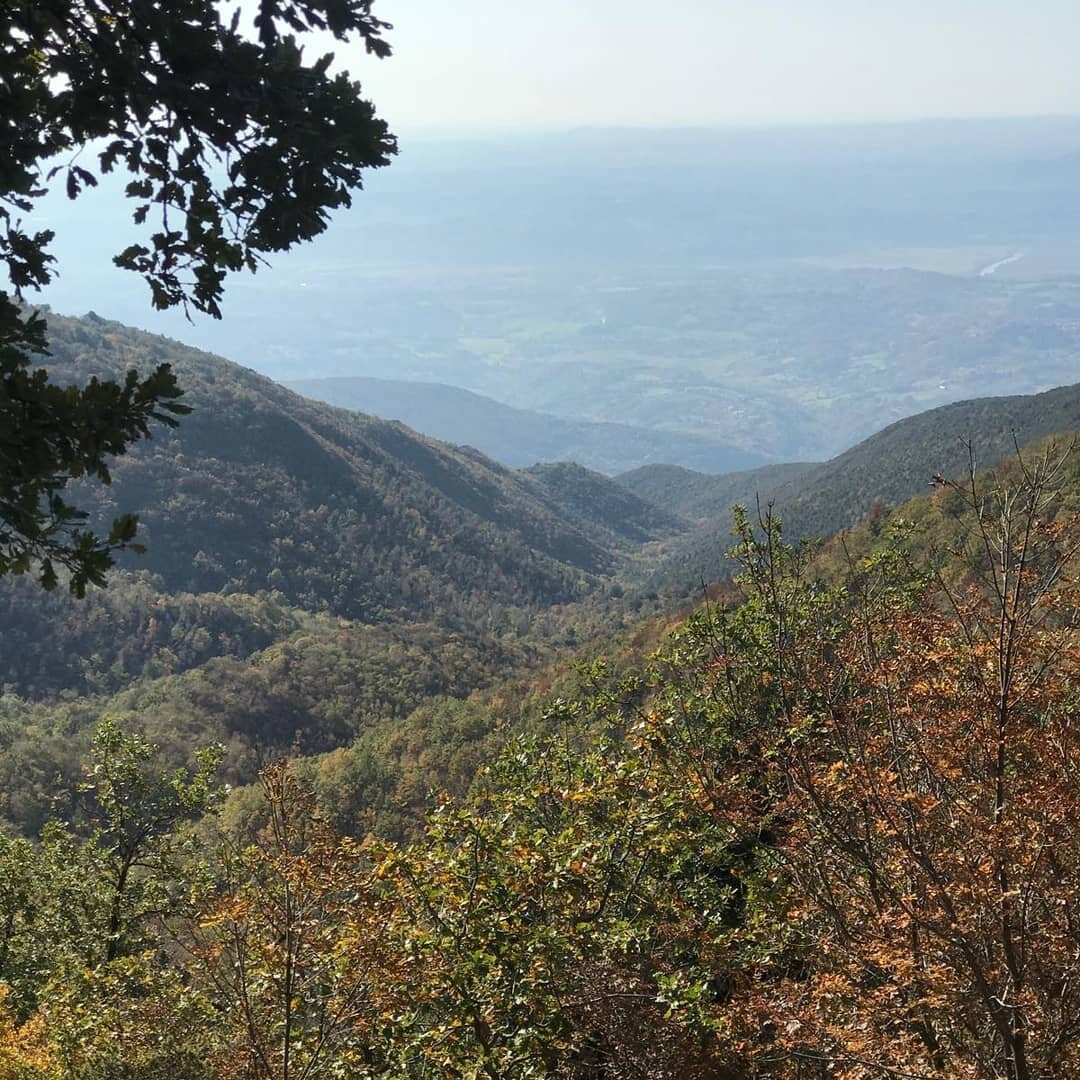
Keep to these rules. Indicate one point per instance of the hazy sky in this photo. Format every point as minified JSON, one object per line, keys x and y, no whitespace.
{"x":563,"y":63}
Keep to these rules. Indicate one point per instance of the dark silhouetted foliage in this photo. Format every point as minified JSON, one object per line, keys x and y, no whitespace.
{"x":235,"y":147}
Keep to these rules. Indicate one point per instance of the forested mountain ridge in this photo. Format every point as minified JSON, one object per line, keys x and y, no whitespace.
{"x":899,"y":461}
{"x":261,"y":489}
{"x":309,"y":572}
{"x":666,"y":865}
{"x":817,"y":500}
{"x":314,"y":575}
{"x":383,"y":780}
{"x":699,"y":496}
{"x":521,"y":437}
{"x":602,"y":508}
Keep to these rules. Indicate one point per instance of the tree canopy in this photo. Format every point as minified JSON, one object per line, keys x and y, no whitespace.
{"x":825,"y":832}
{"x":236,"y":146}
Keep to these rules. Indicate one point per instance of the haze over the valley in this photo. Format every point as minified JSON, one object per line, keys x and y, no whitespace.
{"x":746,"y":228}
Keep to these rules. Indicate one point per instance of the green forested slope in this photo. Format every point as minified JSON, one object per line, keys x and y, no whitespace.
{"x":699,"y":496}
{"x":887,"y":468}
{"x":383,"y":781}
{"x":900,"y":460}
{"x":316,"y":577}
{"x":602,"y":509}
{"x":309,"y":573}
{"x":260,"y":489}
{"x":51,"y":644}
{"x":315,"y":689}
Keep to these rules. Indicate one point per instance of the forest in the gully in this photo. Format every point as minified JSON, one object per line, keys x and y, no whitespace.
{"x":818,"y":822}
{"x":605,"y":606}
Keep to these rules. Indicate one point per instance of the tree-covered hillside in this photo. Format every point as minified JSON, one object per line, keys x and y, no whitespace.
{"x":801,"y":840}
{"x":309,"y":691}
{"x":261,"y":489}
{"x":816,"y":500}
{"x":601,"y":508}
{"x":310,"y":573}
{"x":701,"y":497}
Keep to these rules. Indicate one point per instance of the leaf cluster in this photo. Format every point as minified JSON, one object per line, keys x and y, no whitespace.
{"x":235,"y":147}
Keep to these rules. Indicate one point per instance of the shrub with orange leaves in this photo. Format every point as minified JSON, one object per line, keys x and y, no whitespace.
{"x":290,"y":947}
{"x":925,"y":761}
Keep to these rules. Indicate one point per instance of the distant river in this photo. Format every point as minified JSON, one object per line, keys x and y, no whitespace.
{"x":994,"y":267}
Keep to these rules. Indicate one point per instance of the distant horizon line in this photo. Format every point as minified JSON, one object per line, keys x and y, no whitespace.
{"x":427,"y":130}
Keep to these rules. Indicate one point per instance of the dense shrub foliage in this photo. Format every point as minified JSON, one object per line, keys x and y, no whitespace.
{"x":826,"y":831}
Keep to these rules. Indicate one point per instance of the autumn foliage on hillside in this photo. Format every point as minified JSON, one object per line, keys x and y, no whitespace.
{"x":927,"y":780}
{"x":828,"y":833}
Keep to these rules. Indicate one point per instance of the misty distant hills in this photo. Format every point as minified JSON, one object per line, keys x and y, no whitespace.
{"x":520,"y":437}
{"x":783,"y":291}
